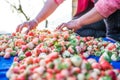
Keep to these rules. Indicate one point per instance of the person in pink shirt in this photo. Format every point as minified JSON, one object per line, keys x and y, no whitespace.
{"x":109,"y":10}
{"x":80,"y":7}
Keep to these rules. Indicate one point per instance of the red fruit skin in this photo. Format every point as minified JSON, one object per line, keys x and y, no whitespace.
{"x":16,"y":69}
{"x":48,"y":59}
{"x":22,"y":66}
{"x":55,"y":35}
{"x":28,"y":53}
{"x":56,"y":69}
{"x":36,"y":60}
{"x":29,"y":60}
{"x":70,"y":49}
{"x":37,"y":51}
{"x":44,"y":50}
{"x":1,"y":49}
{"x":78,"y":37}
{"x":82,"y":56}
{"x":49,"y":76}
{"x":105,"y":65}
{"x":31,"y":33}
{"x":51,"y":71}
{"x":84,"y":39}
{"x":7,"y":55}
{"x":42,"y":37}
{"x":16,"y":59}
{"x":112,"y":75}
{"x":24,"y":47}
{"x":66,"y":36}
{"x":75,"y":70}
{"x":32,"y":69}
{"x":21,"y":77}
{"x":101,"y":58}
{"x":89,"y":38}
{"x":102,"y":73}
{"x":54,"y":55}
{"x":65,"y":72}
{"x":96,"y":65}
{"x":111,"y":47}
{"x":72,"y":78}
{"x":13,"y":34}
{"x":26,"y":37}
{"x":19,"y":42}
{"x":59,"y":76}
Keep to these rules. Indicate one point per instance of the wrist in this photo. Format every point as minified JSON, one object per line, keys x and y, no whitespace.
{"x":79,"y":23}
{"x":36,"y":21}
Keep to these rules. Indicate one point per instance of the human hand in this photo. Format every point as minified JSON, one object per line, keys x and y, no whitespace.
{"x":29,"y":25}
{"x":73,"y":24}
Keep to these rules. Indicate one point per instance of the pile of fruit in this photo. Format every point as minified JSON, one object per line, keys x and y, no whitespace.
{"x":59,"y":55}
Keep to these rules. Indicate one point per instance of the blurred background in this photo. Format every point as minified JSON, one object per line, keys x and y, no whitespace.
{"x":15,"y":12}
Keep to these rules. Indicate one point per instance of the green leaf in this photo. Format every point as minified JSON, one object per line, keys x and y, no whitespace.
{"x":14,"y":64}
{"x":58,"y":47}
{"x":21,"y":57}
{"x":106,"y":78}
{"x":88,"y":66}
{"x":51,"y":66}
{"x":98,"y":53}
{"x":62,"y":66}
{"x":107,"y":56}
{"x":73,"y":42}
{"x":13,"y":53}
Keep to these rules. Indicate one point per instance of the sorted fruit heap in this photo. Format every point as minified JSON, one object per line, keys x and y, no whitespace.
{"x":55,"y":67}
{"x":45,"y":41}
{"x":59,"y":55}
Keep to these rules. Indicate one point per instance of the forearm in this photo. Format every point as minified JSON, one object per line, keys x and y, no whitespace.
{"x":90,"y":17}
{"x":49,"y":7}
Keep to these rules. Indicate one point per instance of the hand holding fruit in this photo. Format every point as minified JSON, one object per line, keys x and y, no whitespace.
{"x":73,"y":24}
{"x":30,"y":25}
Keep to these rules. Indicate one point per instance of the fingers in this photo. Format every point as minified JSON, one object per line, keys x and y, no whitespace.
{"x":27,"y":31}
{"x":21,"y":26}
{"x":60,"y":27}
{"x":29,"y":28}
{"x":17,"y":29}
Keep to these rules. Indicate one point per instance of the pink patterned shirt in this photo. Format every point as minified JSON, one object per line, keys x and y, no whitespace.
{"x":104,"y":7}
{"x":81,"y":5}
{"x":107,"y":7}
{"x":58,"y":1}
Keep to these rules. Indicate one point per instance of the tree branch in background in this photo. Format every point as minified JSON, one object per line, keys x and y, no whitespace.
{"x":19,"y":9}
